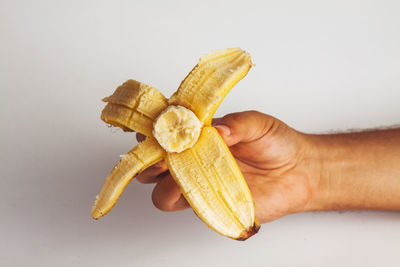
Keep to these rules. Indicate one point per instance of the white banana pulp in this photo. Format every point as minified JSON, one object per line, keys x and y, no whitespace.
{"x":177,"y":129}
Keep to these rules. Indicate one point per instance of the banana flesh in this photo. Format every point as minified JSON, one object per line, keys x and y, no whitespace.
{"x":178,"y":130}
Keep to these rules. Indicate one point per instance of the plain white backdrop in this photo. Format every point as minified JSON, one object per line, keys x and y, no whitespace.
{"x":321,"y":66}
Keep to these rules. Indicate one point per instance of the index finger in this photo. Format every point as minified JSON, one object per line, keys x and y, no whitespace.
{"x":215,"y":121}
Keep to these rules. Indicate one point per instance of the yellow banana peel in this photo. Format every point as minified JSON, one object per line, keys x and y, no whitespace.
{"x":179,"y":130}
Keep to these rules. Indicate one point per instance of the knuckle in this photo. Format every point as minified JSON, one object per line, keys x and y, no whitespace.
{"x":231,"y":116}
{"x":254,"y":113}
{"x":238,"y":116}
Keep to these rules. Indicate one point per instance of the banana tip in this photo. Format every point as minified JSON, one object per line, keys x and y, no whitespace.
{"x":96,"y":214}
{"x":249,"y":232}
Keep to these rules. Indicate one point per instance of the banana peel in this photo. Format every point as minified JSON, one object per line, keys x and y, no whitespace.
{"x":179,"y":130}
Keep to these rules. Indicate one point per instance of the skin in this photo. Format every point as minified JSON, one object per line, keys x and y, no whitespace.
{"x":288,"y":171}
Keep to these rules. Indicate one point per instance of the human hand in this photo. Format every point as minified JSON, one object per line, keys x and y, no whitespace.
{"x":273,"y":158}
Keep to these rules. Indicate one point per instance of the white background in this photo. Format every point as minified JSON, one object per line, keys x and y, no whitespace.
{"x":321,"y":66}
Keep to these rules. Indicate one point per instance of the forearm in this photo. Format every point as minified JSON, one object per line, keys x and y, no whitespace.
{"x":357,"y":171}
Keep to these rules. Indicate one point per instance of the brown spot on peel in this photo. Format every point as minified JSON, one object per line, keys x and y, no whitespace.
{"x":249,"y":231}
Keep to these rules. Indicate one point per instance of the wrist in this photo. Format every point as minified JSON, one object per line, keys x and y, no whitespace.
{"x":332,"y":159}
{"x":355,"y":171}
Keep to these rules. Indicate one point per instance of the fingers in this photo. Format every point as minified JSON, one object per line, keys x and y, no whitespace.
{"x":234,"y":128}
{"x":244,"y":127}
{"x":167,"y":196}
{"x":216,"y":121}
{"x":153,"y":173}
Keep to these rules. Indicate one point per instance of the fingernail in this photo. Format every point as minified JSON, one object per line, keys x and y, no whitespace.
{"x":225,"y":130}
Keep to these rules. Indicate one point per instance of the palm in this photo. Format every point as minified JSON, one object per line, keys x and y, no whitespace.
{"x":272,"y":168}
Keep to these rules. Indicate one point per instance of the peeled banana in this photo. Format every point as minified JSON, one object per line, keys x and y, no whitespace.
{"x":179,"y":130}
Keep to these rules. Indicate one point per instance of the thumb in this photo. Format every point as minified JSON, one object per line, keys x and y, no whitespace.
{"x":242,"y":127}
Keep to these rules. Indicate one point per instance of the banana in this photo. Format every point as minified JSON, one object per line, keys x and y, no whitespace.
{"x":179,"y":130}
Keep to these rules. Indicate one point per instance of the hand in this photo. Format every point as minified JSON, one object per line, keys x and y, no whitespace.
{"x":273,"y":158}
